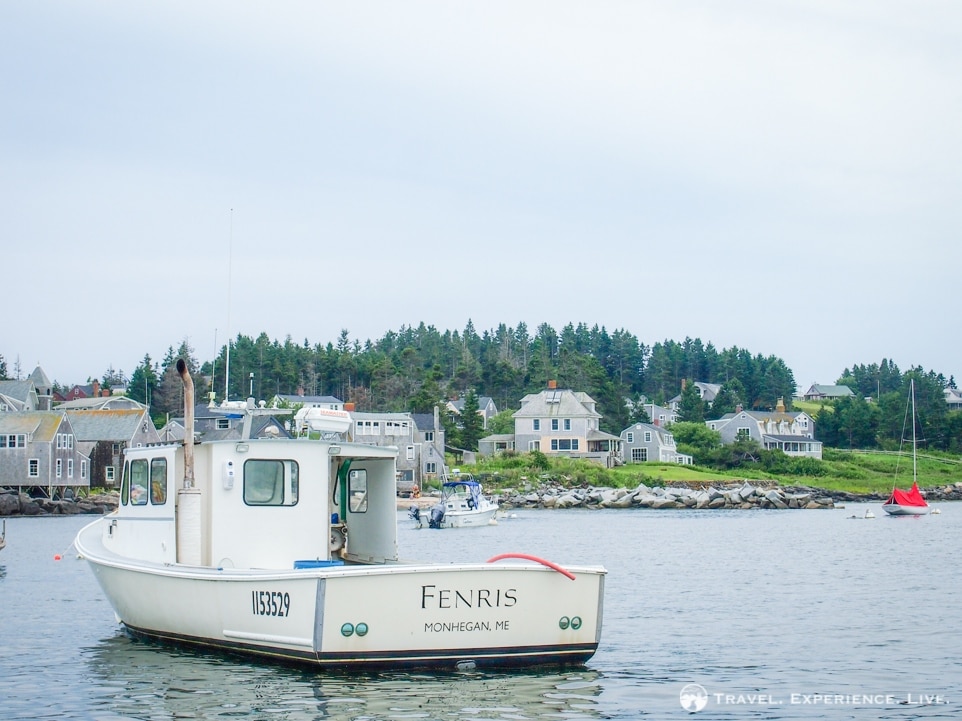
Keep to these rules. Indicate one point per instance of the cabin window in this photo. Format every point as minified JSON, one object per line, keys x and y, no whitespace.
{"x":158,"y":481}
{"x":357,"y":490}
{"x":136,"y":482}
{"x":270,"y":482}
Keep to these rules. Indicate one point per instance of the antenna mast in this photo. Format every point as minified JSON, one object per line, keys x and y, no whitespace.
{"x":230,"y":250}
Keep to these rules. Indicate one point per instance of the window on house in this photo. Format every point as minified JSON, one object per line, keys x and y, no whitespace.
{"x":409,"y":453}
{"x":534,"y":445}
{"x":567,"y":424}
{"x":744,"y":433}
{"x":70,"y":468}
{"x":564,"y":444}
{"x":536,"y":424}
{"x":109,"y":476}
{"x":431,"y":467}
{"x":115,"y":449}
{"x":59,"y":467}
{"x":33,"y":467}
{"x":647,"y":436}
{"x":630,"y":437}
{"x":554,"y":424}
{"x":83,"y":470}
{"x":429,"y":436}
{"x":669,"y":439}
{"x":70,"y":441}
{"x":639,"y":455}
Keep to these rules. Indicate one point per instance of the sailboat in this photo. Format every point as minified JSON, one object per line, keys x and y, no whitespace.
{"x":910,"y":502}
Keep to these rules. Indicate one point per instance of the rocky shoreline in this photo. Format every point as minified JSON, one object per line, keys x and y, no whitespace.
{"x":740,"y":495}
{"x":21,"y":504}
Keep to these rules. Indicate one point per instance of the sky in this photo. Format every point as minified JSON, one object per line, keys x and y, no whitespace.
{"x":781,"y":176}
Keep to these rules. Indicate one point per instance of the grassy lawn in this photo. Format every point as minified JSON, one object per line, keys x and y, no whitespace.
{"x":840,"y":471}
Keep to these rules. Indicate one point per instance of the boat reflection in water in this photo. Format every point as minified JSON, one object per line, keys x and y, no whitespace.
{"x":138,"y":679}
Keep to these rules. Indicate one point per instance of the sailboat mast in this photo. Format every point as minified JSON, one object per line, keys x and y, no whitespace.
{"x":915,"y":474}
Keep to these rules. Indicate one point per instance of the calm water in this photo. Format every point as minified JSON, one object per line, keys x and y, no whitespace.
{"x":775,"y":614}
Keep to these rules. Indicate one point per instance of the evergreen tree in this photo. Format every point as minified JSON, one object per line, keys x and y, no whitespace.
{"x":472,"y":424}
{"x":691,"y":409}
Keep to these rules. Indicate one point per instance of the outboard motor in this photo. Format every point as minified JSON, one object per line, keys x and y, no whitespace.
{"x":414,"y":513}
{"x":437,"y":515}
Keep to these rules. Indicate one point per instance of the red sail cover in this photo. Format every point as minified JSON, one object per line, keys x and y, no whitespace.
{"x":911,"y":497}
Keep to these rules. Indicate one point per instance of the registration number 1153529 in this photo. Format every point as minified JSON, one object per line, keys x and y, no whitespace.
{"x":270,"y":603}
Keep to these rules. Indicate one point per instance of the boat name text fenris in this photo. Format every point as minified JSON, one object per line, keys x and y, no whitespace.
{"x":434,"y":597}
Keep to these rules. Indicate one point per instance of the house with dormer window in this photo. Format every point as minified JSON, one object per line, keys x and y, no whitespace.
{"x":792,"y":432}
{"x":558,"y":422}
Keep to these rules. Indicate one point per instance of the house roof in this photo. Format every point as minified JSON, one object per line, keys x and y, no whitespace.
{"x":707,"y":391}
{"x":557,"y":402}
{"x":17,"y":390}
{"x":831,"y":391}
{"x":42,"y":425}
{"x":504,"y":437}
{"x":308,"y":399}
{"x":106,"y":425}
{"x":40,"y":379}
{"x":424,"y":421}
{"x":102,"y":403}
{"x":790,"y":438}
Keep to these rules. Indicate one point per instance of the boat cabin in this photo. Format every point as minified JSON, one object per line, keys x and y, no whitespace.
{"x":258,"y":503}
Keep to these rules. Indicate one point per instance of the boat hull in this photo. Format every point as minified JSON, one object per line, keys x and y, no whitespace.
{"x":384,"y":616}
{"x":898,"y":509}
{"x":469,"y":518}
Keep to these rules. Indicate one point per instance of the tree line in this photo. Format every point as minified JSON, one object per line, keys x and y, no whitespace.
{"x":417,"y":368}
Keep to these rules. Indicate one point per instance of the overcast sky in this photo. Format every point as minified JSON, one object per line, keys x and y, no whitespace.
{"x":780,"y":176}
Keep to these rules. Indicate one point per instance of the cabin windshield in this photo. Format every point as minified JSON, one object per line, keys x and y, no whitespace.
{"x":270,"y":482}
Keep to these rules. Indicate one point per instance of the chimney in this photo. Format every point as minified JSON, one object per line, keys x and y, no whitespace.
{"x":552,"y":385}
{"x":349,"y":406}
{"x":684,"y":382}
{"x":780,"y":405}
{"x":738,"y":408}
{"x":96,"y":388}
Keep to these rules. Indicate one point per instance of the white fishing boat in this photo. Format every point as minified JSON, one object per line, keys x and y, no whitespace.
{"x":462,"y":505}
{"x":286,"y":549}
{"x":910,"y":502}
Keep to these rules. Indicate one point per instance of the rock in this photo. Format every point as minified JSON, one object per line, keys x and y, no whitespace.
{"x":666,"y":503}
{"x":9,"y":504}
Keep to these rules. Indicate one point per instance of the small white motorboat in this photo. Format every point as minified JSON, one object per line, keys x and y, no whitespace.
{"x":286,"y":549}
{"x":462,"y":505}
